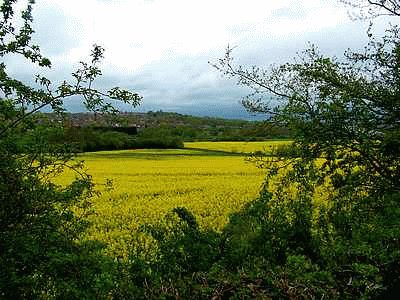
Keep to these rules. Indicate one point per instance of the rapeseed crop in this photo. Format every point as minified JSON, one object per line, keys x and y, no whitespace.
{"x":147,"y":184}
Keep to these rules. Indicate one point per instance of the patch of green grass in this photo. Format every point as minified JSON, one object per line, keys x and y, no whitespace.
{"x":237,"y":147}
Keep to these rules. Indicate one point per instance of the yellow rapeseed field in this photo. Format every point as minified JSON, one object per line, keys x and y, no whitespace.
{"x":237,"y":147}
{"x":150,"y":183}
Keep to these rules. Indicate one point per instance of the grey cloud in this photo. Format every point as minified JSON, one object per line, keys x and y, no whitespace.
{"x":183,"y":84}
{"x":267,"y":50}
{"x":186,"y":81}
{"x":188,"y":84}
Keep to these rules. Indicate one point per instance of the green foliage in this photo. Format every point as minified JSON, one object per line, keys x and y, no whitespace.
{"x":40,"y":255}
{"x":191,"y":128}
{"x":268,"y":251}
{"x":344,"y":116}
{"x":182,"y":248}
{"x":89,"y":139}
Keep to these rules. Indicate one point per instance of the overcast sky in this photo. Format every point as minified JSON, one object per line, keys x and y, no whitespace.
{"x":161,"y":48}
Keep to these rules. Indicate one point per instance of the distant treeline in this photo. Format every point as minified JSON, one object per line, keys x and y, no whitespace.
{"x":192,"y":128}
{"x":94,"y":139}
{"x":88,"y":139}
{"x":154,"y":130}
{"x":132,"y":130}
{"x":250,"y":132}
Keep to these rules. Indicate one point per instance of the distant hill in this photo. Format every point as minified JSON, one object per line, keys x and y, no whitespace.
{"x":186,"y":127}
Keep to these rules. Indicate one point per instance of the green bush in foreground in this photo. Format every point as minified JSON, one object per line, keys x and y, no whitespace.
{"x":40,"y":255}
{"x":263,"y":253}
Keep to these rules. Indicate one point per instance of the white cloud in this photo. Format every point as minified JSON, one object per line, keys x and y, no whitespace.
{"x":162,"y":47}
{"x":139,"y":32}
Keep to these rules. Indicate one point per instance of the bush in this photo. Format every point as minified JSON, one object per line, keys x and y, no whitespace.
{"x":88,"y":139}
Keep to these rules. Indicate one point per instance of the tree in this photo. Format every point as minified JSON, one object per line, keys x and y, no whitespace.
{"x":39,"y":225}
{"x":373,"y":8}
{"x":336,"y":190}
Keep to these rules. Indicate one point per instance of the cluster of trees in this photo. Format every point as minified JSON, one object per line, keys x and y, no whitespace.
{"x":158,"y":130}
{"x":89,"y":139}
{"x":192,"y":128}
{"x":344,"y":115}
{"x":252,"y":131}
{"x":153,"y":125}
